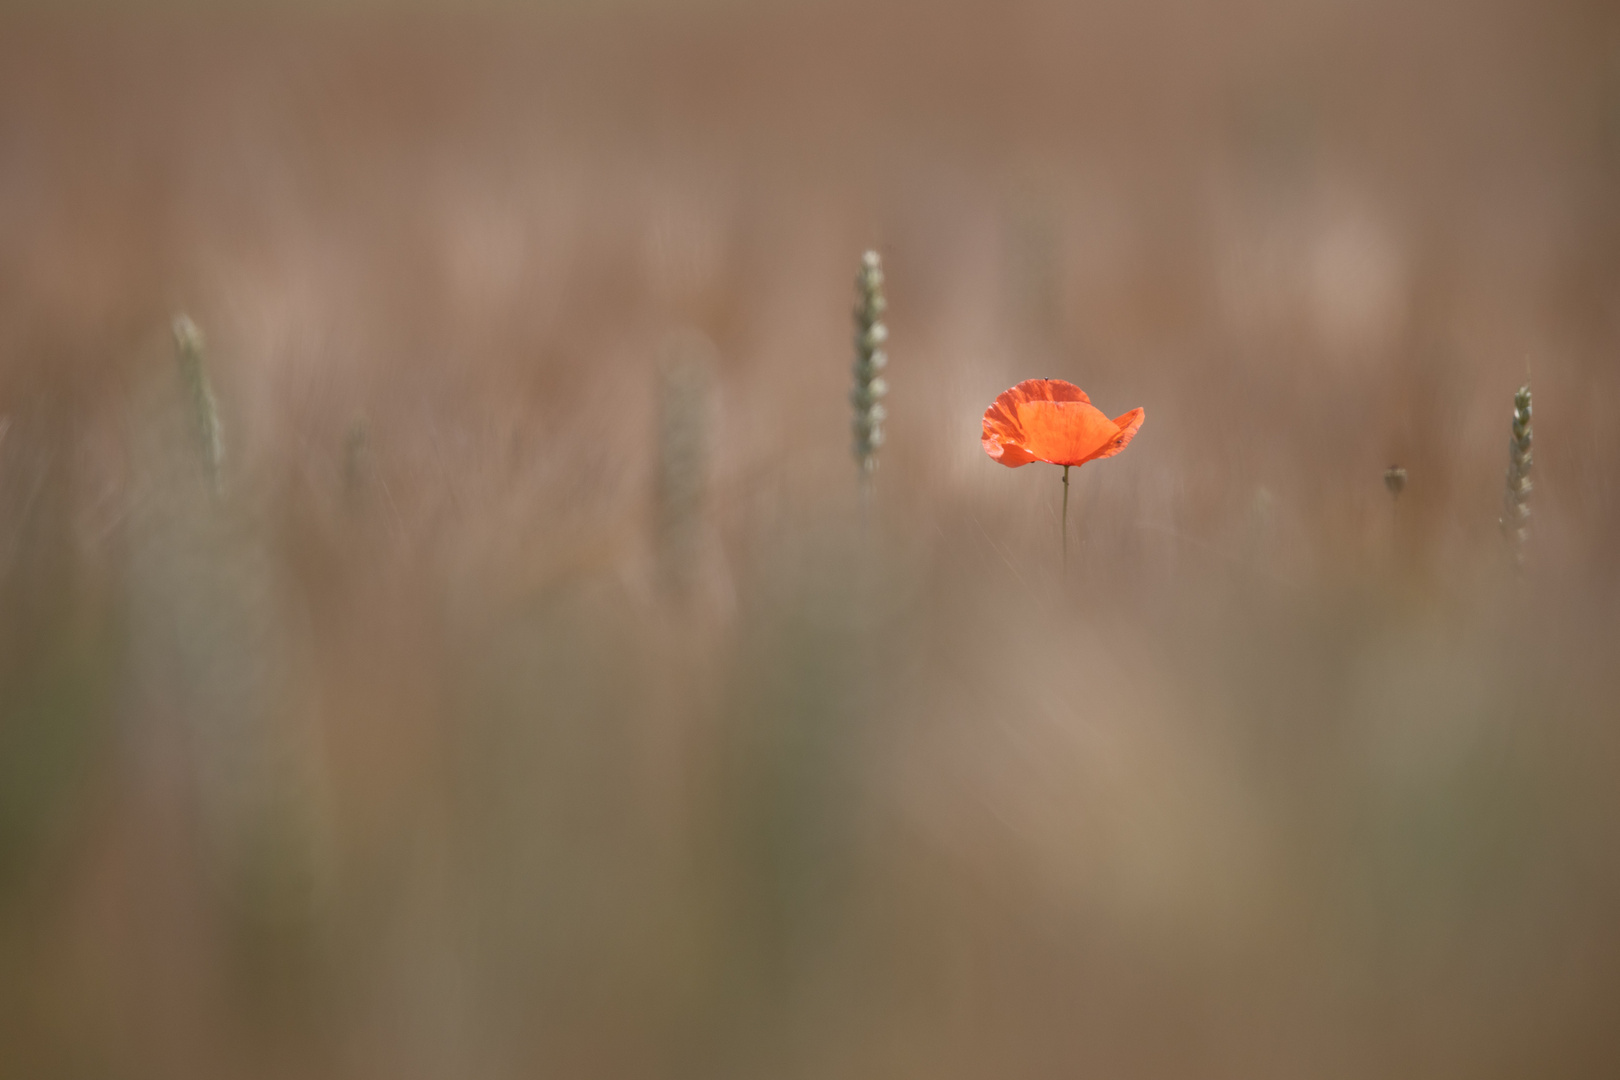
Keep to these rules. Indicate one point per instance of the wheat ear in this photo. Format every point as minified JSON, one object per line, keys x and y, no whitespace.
{"x":1516,"y":499}
{"x":188,"y":352}
{"x":870,"y":360}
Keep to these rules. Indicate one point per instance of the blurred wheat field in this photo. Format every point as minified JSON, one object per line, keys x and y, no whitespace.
{"x":528,"y":696}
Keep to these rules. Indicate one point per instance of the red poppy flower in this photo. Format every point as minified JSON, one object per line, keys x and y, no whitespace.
{"x":1052,"y":420}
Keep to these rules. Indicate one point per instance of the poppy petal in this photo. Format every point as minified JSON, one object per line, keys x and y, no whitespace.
{"x":1003,"y":436}
{"x":1002,"y":419}
{"x":1129,"y":425}
{"x":1009,"y":454}
{"x":1064,"y":432}
{"x":1045,"y":390}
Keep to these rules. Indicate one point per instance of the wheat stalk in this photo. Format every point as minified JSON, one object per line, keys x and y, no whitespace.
{"x":188,"y":351}
{"x":685,"y":422}
{"x":1516,"y":499}
{"x":355,"y":450}
{"x":870,"y":359}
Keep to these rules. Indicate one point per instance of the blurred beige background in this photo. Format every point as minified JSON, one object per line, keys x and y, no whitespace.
{"x":436,"y":739}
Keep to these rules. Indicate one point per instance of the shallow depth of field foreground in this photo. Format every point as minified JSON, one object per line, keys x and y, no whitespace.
{"x":445,"y":632}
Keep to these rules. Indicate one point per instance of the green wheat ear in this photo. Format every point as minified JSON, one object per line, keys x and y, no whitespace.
{"x":1516,"y":499}
{"x":1395,"y":480}
{"x":870,"y":359}
{"x":188,"y":352}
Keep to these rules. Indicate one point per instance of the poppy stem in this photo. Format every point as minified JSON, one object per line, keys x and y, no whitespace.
{"x":1065,"y":524}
